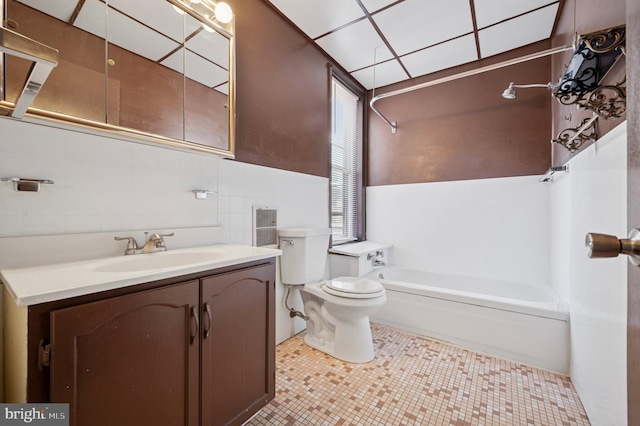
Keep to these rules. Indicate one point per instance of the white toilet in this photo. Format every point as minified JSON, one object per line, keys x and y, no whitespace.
{"x":337,"y":310}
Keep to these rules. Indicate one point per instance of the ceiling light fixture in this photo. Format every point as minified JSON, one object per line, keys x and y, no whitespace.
{"x":220,"y":11}
{"x":223,"y":12}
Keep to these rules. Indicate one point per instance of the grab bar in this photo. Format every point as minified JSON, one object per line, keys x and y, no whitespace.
{"x":44,"y":59}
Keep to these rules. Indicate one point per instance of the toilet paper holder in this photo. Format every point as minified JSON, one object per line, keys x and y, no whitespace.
{"x":28,"y":185}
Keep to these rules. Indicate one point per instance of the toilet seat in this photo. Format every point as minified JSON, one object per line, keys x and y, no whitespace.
{"x":353,"y":288}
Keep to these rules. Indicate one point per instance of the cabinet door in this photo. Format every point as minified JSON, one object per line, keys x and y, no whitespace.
{"x":130,"y":360}
{"x":238,"y":346}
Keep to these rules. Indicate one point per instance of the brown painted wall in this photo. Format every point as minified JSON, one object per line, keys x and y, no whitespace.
{"x":464,"y":129}
{"x":282,"y":102}
{"x":455,"y":131}
{"x":590,"y":16}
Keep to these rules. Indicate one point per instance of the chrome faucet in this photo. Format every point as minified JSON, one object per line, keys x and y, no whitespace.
{"x":154,"y":243}
{"x":376,"y":258}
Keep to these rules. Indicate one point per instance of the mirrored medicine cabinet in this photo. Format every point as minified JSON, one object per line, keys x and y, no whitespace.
{"x":159,"y":70}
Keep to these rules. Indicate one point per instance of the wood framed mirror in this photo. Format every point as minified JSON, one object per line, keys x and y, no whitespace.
{"x":158,"y":70}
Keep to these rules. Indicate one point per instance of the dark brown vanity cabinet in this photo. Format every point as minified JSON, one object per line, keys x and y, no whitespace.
{"x":197,"y":352}
{"x":236,"y":359}
{"x":129,"y":359}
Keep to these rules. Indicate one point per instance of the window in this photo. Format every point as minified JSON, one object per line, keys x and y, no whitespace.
{"x":346,"y":163}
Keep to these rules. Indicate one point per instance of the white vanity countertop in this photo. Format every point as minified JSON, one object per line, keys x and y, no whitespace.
{"x":40,"y":284}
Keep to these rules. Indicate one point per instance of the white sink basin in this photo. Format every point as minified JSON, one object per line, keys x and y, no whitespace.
{"x":153,"y":261}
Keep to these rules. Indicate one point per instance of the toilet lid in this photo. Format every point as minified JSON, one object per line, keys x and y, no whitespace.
{"x":353,"y":287}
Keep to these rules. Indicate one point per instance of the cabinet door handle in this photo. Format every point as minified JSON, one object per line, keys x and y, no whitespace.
{"x":195,"y":323}
{"x":207,"y":326}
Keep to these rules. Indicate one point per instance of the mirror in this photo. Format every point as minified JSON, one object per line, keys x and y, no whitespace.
{"x":161,"y":70}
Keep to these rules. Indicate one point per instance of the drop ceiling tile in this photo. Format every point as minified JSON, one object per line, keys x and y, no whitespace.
{"x":354,"y":46}
{"x":442,"y":56}
{"x":211,"y":46}
{"x":127,"y":34}
{"x":192,"y":26}
{"x":203,"y":71}
{"x":382,"y":74}
{"x":224,"y":88}
{"x":61,"y":9}
{"x":527,"y":29}
{"x":316,"y":18}
{"x":138,"y":39}
{"x":491,"y":11}
{"x":161,"y":16}
{"x":415,"y":24}
{"x":197,"y":68}
{"x":175,"y":61}
{"x":91,"y":18}
{"x":375,"y":5}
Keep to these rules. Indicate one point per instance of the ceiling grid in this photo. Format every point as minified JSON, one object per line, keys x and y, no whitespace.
{"x":404,"y":39}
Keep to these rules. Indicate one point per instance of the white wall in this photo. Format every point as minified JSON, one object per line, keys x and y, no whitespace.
{"x":592,"y":198}
{"x":498,"y":228}
{"x":103,"y":184}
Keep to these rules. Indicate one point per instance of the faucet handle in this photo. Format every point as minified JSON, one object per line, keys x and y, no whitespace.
{"x":132,"y":245}
{"x":158,"y":240}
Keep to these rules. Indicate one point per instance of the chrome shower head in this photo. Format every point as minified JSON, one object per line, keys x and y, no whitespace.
{"x":510,"y":92}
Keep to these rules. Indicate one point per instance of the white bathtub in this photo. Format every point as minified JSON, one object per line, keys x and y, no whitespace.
{"x":518,"y":321}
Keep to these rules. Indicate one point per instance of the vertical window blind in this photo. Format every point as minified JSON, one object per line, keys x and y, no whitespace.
{"x":346,"y":135}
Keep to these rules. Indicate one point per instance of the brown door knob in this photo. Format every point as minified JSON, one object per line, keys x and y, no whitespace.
{"x":602,"y":245}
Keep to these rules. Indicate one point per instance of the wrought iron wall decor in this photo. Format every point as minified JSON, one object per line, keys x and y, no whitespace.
{"x":595,"y":55}
{"x":574,"y":137}
{"x":581,"y":85}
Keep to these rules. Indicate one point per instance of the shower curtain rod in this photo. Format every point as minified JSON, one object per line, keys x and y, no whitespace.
{"x":394,"y":124}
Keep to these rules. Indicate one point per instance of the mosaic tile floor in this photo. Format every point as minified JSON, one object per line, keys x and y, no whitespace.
{"x":415,"y":381}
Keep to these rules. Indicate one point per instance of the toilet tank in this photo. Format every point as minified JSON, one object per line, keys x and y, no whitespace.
{"x":304,"y":254}
{"x":356,"y":259}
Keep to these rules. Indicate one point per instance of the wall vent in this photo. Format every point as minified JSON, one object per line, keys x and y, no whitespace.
{"x":265,"y":226}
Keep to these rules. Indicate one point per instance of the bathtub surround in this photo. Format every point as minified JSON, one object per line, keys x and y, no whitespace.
{"x":492,"y":228}
{"x":593,"y":198}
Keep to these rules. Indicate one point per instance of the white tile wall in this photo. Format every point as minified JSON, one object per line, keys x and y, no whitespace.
{"x":494,"y":228}
{"x":103,"y":184}
{"x":561,"y":220}
{"x":100,"y":184}
{"x":592,"y":198}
